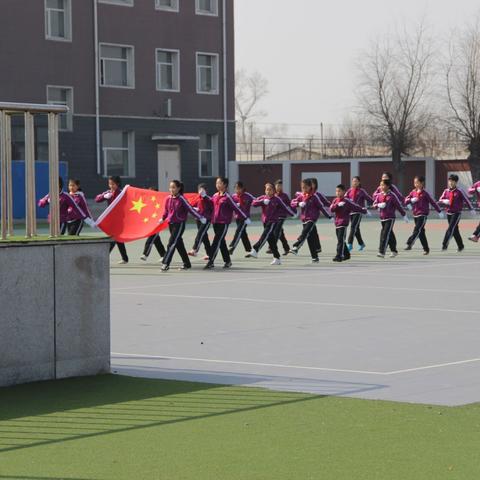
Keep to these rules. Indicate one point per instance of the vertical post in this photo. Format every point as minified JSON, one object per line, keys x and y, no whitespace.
{"x":3,"y":174}
{"x":8,"y":172}
{"x":30,"y":218}
{"x":53,"y":171}
{"x":264,"y":149}
{"x":322,"y":139}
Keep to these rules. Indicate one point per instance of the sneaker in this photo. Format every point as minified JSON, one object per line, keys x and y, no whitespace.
{"x":346,"y":258}
{"x":319,"y":250}
{"x":206,"y":258}
{"x":474,"y":238}
{"x":460,"y":249}
{"x":380,"y":255}
{"x":294,"y":251}
{"x":276,"y":261}
{"x":337,"y":259}
{"x":315,"y":260}
{"x":407,"y":248}
{"x":122,"y":262}
{"x":160,"y":260}
{"x":165,"y":268}
{"x":209,"y":266}
{"x":227,"y":265}
{"x":231,"y":250}
{"x":286,"y":252}
{"x":426,"y":252}
{"x":143,"y":258}
{"x":394,"y":254}
{"x":192,"y":253}
{"x":444,"y":248}
{"x":252,"y":254}
{"x":350,"y":247}
{"x":361,"y":248}
{"x":185,"y":267}
{"x":269,"y":252}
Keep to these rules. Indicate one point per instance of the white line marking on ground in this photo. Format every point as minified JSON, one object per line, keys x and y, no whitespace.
{"x":439,"y":365}
{"x":301,"y":302}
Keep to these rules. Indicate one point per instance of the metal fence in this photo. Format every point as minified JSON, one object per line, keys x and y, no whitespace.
{"x":7,"y":110}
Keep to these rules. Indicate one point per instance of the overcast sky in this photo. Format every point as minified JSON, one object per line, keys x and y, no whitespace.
{"x":307,"y":49}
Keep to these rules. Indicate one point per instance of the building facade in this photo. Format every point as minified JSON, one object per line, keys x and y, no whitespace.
{"x":149,"y":83}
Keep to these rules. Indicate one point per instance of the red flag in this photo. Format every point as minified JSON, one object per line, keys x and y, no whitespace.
{"x":134,"y":214}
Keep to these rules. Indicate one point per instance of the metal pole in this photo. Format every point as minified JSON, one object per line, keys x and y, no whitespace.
{"x":53,"y":175}
{"x":8,"y":173}
{"x":30,"y":217}
{"x":3,"y":174}
{"x":264,"y":149}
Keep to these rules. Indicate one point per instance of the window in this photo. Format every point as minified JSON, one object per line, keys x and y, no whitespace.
{"x":58,"y":20}
{"x":208,"y":155}
{"x":168,"y":70}
{"x":117,"y":66}
{"x":62,"y":96}
{"x":207,"y":73}
{"x":118,"y":153}
{"x":123,"y":3}
{"x":168,"y":5}
{"x":206,"y":7}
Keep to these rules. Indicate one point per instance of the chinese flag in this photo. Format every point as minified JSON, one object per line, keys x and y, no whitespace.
{"x":134,"y":214}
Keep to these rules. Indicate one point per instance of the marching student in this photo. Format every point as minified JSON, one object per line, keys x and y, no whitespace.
{"x":77,"y":216}
{"x":289,"y":213}
{"x":69,"y":210}
{"x":204,"y":206}
{"x":176,"y":212}
{"x":273,"y":208}
{"x":224,"y":207}
{"x":357,"y":195}
{"x":311,"y":207}
{"x":153,"y":240}
{"x":114,"y":190}
{"x":324,"y":201}
{"x":393,"y":188}
{"x":244,"y":201}
{"x":420,"y":200}
{"x":475,"y":189}
{"x":388,"y":203}
{"x":342,"y":207}
{"x":454,"y":199}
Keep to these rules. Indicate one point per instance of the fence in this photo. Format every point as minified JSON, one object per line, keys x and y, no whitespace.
{"x":7,"y":110}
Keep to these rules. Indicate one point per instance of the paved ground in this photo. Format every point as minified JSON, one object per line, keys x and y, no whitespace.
{"x":405,"y":329}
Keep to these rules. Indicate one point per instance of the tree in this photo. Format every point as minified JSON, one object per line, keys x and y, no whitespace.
{"x":249,"y":91}
{"x":395,"y":85}
{"x":462,"y":85}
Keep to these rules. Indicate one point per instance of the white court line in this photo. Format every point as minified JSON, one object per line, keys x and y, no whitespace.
{"x":300,"y":302}
{"x":295,"y":367}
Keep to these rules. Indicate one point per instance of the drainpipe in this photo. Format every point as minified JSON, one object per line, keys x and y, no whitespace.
{"x":225,"y":84}
{"x":97,"y":88}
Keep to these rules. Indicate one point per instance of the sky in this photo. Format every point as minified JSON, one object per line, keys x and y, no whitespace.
{"x":308,"y":50}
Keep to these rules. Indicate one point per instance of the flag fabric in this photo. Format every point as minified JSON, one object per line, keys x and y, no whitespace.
{"x":135,"y":214}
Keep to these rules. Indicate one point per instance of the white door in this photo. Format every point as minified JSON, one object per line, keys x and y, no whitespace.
{"x":168,"y":165}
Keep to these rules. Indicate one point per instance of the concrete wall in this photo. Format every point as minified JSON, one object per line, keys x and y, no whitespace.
{"x":54,"y":310}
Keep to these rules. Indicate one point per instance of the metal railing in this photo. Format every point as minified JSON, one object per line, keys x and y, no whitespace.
{"x":29,"y":110}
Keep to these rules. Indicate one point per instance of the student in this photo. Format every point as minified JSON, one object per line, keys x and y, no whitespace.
{"x":77,"y":216}
{"x":388,"y":203}
{"x":325,"y":202}
{"x":420,"y":200}
{"x":393,"y":188}
{"x":273,"y":209}
{"x":153,"y":240}
{"x":342,"y":207}
{"x":204,"y":206}
{"x":475,"y":189}
{"x":114,"y":190}
{"x":454,"y":199}
{"x":176,"y":212}
{"x":357,"y":195}
{"x":244,"y":201}
{"x":311,"y":207}
{"x":69,"y":210}
{"x":224,"y":207}
{"x":287,"y":212}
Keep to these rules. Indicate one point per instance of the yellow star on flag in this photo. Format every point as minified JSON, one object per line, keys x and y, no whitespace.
{"x":146,"y":220}
{"x":138,"y":206}
{"x":154,"y":215}
{"x":154,"y":199}
{"x":157,"y":206}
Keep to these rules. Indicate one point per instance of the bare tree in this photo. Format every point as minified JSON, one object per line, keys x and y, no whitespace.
{"x":462,"y":79}
{"x":249,"y":91}
{"x":395,"y":84}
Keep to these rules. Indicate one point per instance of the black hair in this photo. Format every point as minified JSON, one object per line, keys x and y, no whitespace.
{"x":224,"y":180}
{"x":314,"y":183}
{"x":453,"y":177}
{"x":341,"y":186}
{"x":308,"y":182}
{"x":278,"y":182}
{"x":271,"y":184}
{"x":202,"y":185}
{"x":116,"y":179}
{"x":60,"y":183}
{"x":240,"y":185}
{"x":76,"y":182}
{"x":388,"y":183}
{"x":356,"y":177}
{"x":179,"y":185}
{"x":420,"y":178}
{"x":389,"y":175}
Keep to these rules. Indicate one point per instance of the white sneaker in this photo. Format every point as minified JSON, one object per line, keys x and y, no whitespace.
{"x":122,"y":262}
{"x":143,"y":258}
{"x":160,"y":260}
{"x":252,"y":254}
{"x":380,"y":255}
{"x":393,"y":254}
{"x":276,"y":261}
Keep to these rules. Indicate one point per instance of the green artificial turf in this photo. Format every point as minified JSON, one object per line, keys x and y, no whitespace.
{"x":114,"y":427}
{"x":46,"y":238}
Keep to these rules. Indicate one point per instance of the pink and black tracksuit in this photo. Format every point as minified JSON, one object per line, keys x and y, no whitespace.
{"x":204,"y":206}
{"x":388,"y":203}
{"x":283,"y":239}
{"x":244,"y":202}
{"x":360,"y":197}
{"x":475,"y":190}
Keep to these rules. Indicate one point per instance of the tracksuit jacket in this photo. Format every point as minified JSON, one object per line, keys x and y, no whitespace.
{"x":68,"y":208}
{"x":244,"y":201}
{"x":342,"y":213}
{"x":177,"y":210}
{"x":359,"y":196}
{"x":392,"y":205}
{"x":422,"y":206}
{"x":273,"y":212}
{"x":394,"y":189}
{"x":311,"y":211}
{"x":457,"y":199}
{"x":224,"y":206}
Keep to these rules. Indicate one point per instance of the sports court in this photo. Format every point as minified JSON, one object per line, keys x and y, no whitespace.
{"x":403,"y":329}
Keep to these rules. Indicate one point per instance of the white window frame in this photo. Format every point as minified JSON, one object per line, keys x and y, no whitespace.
{"x":199,"y":11}
{"x":217,"y":76}
{"x":118,"y":3}
{"x":163,"y":8}
{"x":130,"y":149}
{"x":70,"y":105}
{"x":215,"y":156}
{"x":68,"y":23}
{"x":157,"y":72}
{"x":130,"y":65}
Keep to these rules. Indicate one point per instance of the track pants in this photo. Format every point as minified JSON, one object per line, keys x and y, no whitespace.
{"x":316,"y":239}
{"x":387,"y":237}
{"x":453,"y":230}
{"x":74,"y":228}
{"x":241,"y":234}
{"x":121,"y":249}
{"x":309,"y":234}
{"x":176,"y":243}
{"x":356,"y":219}
{"x":202,"y":237}
{"x":342,"y":250}
{"x":282,"y":237}
{"x":477,"y":231}
{"x":151,"y":241}
{"x":419,"y":233}
{"x":270,"y":234}
{"x":218,"y":243}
